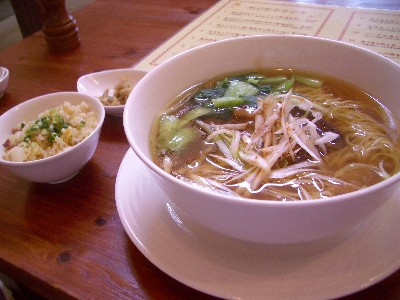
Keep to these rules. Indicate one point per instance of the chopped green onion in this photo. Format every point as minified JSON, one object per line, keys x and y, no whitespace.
{"x":27,"y":138}
{"x":51,"y":138}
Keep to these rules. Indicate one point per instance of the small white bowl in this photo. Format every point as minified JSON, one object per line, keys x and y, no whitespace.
{"x":62,"y":166}
{"x":95,"y":84}
{"x":266,"y":221}
{"x":4,"y":77}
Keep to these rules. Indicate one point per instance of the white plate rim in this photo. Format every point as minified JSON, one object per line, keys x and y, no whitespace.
{"x":172,"y":234}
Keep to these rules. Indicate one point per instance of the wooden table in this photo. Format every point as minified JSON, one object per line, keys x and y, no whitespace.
{"x":66,"y":240}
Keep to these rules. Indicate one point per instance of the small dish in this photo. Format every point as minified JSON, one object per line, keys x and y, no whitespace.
{"x":95,"y":84}
{"x":4,"y":77}
{"x":65,"y":164}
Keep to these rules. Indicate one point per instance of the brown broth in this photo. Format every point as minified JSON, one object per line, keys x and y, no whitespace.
{"x":348,"y":162}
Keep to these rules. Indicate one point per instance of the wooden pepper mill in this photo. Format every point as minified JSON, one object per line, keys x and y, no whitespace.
{"x":59,"y":27}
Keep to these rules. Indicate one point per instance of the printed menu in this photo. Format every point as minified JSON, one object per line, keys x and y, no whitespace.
{"x":377,"y":30}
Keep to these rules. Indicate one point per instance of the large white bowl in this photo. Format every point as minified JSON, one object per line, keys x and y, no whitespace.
{"x":60,"y":167}
{"x":253,"y":220}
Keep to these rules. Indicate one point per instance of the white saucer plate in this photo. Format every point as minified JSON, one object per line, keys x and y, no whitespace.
{"x":228,"y":268}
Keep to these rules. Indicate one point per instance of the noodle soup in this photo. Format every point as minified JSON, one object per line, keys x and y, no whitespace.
{"x":277,"y":135}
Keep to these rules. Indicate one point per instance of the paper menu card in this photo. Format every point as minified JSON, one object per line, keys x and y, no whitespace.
{"x":377,"y":30}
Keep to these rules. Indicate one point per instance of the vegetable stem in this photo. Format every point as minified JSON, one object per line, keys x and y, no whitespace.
{"x":285,"y":86}
{"x":225,"y":102}
{"x":309,"y":81}
{"x":272,"y":80}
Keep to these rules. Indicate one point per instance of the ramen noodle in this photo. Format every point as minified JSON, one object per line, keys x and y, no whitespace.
{"x":277,"y":135}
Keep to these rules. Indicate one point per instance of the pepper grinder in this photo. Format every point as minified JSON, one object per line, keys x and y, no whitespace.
{"x":59,"y":27}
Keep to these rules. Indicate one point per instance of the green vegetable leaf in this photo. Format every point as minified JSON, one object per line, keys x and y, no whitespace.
{"x":180,"y":139}
{"x":193,"y":114}
{"x":208,"y":94}
{"x":240,"y":88}
{"x":168,"y":126}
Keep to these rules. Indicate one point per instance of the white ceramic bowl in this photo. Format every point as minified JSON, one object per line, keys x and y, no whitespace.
{"x":253,"y":220}
{"x":4,"y":77}
{"x":64,"y":165}
{"x":95,"y":84}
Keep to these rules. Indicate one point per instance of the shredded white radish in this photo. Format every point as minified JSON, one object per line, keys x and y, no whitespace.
{"x":231,"y":162}
{"x":293,"y":169}
{"x":238,"y":126}
{"x":277,"y":134}
{"x":218,"y":132}
{"x":235,"y":144}
{"x":327,"y":137}
{"x":167,"y":164}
